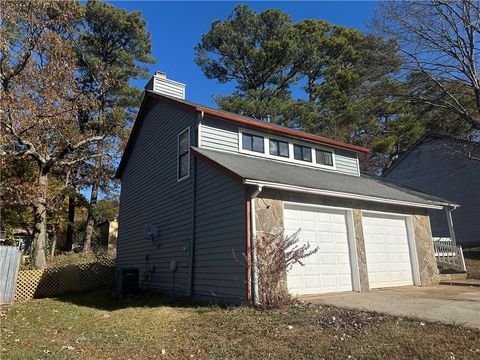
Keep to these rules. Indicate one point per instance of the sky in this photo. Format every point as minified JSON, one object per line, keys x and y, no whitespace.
{"x":176,"y":27}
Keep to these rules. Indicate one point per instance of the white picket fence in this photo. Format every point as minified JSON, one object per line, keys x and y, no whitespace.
{"x":9,"y":265}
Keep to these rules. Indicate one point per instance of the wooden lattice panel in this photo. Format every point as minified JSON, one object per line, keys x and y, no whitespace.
{"x":63,"y":280}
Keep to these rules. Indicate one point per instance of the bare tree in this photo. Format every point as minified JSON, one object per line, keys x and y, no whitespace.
{"x":276,"y":255}
{"x":439,"y":39}
{"x":40,"y":102}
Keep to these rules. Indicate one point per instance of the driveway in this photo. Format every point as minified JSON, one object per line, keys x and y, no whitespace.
{"x":458,"y":305}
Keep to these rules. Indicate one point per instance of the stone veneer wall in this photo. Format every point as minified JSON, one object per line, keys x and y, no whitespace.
{"x":427,"y":264}
{"x":269,"y":218}
{"x":361,"y":255}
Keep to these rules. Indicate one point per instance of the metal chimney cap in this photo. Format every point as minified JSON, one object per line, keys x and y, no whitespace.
{"x":161,"y":74}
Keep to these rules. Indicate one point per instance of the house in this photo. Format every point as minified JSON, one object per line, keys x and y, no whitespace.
{"x":449,"y":168}
{"x":108,"y":233}
{"x":200,"y":186}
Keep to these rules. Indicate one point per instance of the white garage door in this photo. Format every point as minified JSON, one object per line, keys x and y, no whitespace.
{"x":328,"y":270}
{"x":387,"y":250}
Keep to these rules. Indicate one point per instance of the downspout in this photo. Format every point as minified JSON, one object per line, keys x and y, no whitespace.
{"x":253,"y":251}
{"x":194,"y":207}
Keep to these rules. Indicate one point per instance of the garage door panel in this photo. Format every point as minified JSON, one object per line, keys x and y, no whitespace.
{"x":295,"y":282}
{"x":309,"y":236}
{"x":387,"y":250}
{"x":327,"y":259}
{"x":312,"y":281}
{"x":329,"y":269}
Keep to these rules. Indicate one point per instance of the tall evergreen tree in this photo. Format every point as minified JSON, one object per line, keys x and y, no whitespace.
{"x":310,"y":75}
{"x":258,"y":53}
{"x":113,"y":47}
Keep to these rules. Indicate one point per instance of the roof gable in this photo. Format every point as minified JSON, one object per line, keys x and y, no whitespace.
{"x":224,"y":115}
{"x":470,"y":149}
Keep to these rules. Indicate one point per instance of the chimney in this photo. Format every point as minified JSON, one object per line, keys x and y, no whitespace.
{"x":160,"y":84}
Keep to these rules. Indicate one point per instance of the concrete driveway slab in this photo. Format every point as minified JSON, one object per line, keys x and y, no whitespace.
{"x":458,"y":305}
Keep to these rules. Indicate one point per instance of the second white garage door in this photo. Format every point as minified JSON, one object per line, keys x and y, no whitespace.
{"x":387,"y":250}
{"x":329,"y":269}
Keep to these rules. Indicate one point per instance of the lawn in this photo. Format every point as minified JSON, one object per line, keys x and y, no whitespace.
{"x":472,"y":262}
{"x":96,"y":326}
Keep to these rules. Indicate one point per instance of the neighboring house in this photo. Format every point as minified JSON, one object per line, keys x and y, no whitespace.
{"x":108,"y":234}
{"x":448,"y":168}
{"x":200,"y":186}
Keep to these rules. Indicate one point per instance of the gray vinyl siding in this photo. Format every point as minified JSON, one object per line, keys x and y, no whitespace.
{"x":346,"y":162}
{"x":222,"y":135}
{"x":434,"y":167}
{"x":219,"y":135}
{"x":150,"y":194}
{"x":220,"y":240}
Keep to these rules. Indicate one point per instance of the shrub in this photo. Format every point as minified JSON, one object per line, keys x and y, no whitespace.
{"x":276,"y":255}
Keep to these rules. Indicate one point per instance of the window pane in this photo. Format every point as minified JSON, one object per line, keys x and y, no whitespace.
{"x":303,"y":153}
{"x":183,"y":166}
{"x":257,"y":144}
{"x":252,"y":142}
{"x":283,"y":147}
{"x":297,"y":152}
{"x":246,"y":141}
{"x":183,"y":143}
{"x":307,"y":153}
{"x":324,"y":157}
{"x":273,"y":147}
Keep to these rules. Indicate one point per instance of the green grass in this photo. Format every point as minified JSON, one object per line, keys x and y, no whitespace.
{"x":97,"y":326}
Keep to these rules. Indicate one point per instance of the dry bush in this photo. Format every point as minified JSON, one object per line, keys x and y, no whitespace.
{"x":276,"y":254}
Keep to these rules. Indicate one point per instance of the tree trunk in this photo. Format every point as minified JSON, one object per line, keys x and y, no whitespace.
{"x":87,"y":245}
{"x":40,"y":229}
{"x":54,"y":240}
{"x":71,"y":221}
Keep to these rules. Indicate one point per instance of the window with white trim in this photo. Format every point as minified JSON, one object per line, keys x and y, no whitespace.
{"x":278,"y":148}
{"x":324,"y":157}
{"x":303,"y":153}
{"x":183,"y":154}
{"x":281,"y":148}
{"x":252,"y":142}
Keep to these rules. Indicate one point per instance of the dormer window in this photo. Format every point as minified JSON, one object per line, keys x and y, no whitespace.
{"x":303,"y":153}
{"x":324,"y":157}
{"x":252,"y":142}
{"x":279,"y":148}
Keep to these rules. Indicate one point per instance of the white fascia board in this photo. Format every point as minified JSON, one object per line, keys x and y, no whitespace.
{"x":341,"y":194}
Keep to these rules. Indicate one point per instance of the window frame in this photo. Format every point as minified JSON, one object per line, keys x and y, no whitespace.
{"x":253,"y":135}
{"x":187,"y":153}
{"x":302,"y":148}
{"x":326,"y":151}
{"x":290,"y":141}
{"x":278,"y":141}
